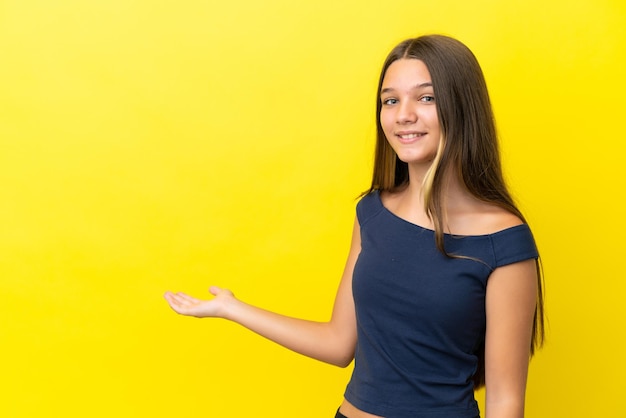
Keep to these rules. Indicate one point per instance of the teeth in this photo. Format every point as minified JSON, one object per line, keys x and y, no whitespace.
{"x":409,"y":136}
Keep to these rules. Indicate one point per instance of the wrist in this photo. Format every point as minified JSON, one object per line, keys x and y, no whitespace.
{"x":229,"y":307}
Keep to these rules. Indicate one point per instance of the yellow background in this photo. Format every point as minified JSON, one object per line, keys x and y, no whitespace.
{"x":155,"y":145}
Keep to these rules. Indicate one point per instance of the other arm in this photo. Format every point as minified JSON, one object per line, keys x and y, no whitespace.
{"x":332,"y":342}
{"x":510,"y":306}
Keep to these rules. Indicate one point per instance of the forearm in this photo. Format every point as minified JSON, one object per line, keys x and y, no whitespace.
{"x":506,"y":398}
{"x":504,"y":409}
{"x":323,"y":341}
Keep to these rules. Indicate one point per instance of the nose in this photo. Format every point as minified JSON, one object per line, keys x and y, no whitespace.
{"x":406,"y":113}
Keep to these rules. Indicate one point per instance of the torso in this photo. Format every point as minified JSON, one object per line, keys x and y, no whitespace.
{"x":391,"y":247}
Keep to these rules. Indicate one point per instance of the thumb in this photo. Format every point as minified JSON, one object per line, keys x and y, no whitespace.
{"x":214,"y":290}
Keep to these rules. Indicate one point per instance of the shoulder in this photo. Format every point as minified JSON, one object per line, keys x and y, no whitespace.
{"x":507,"y":237}
{"x":511,"y":239}
{"x":495,"y":219}
{"x":368,"y":206}
{"x":482,"y":219}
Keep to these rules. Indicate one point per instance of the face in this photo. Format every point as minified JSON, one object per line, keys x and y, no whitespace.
{"x":408,"y":114}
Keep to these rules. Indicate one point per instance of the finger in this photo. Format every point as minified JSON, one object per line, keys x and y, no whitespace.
{"x":182,"y":308}
{"x":186,"y":298}
{"x":176,"y":302}
{"x":169,"y":296}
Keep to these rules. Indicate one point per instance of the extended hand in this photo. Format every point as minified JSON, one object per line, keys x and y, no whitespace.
{"x":190,"y":306}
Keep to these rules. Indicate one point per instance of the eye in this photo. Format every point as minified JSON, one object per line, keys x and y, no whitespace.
{"x":427,"y":99}
{"x":389,"y":101}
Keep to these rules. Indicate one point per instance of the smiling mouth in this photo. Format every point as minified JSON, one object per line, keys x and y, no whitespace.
{"x":410,"y":136}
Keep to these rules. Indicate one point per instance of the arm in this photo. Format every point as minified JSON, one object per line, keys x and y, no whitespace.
{"x":332,"y":342}
{"x":510,"y":306}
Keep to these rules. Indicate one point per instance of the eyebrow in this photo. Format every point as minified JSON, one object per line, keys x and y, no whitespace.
{"x":415,"y":87}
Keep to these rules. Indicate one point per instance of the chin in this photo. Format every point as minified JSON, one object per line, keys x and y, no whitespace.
{"x":417,"y":160}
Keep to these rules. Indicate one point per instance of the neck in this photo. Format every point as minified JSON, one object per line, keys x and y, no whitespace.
{"x":454,"y":192}
{"x":417,"y":173}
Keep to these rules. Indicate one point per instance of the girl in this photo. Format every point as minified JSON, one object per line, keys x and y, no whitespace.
{"x":441,"y":291}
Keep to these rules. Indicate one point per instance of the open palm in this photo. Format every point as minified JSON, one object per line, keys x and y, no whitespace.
{"x":185,"y":304}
